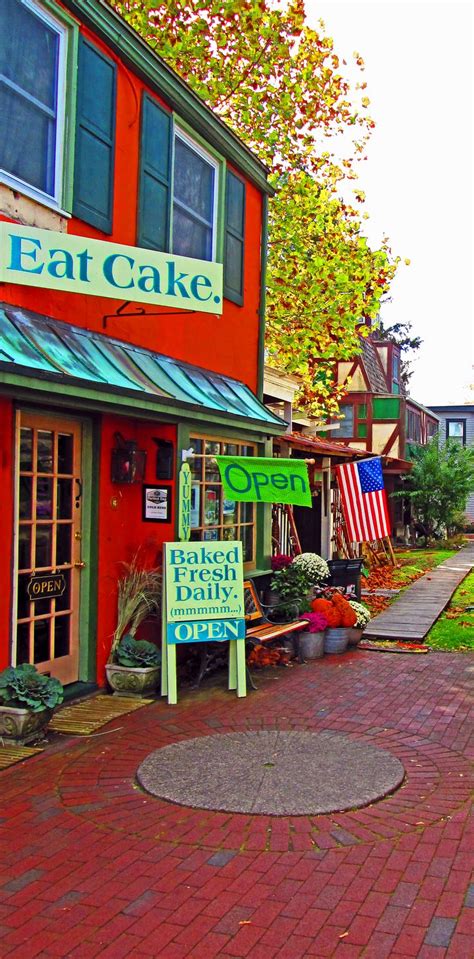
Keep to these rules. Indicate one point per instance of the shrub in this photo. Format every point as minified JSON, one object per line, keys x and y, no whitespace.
{"x":24,"y":687}
{"x":136,"y":653}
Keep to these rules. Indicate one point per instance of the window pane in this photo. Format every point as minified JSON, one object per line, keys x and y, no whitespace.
{"x":28,"y":152}
{"x":64,"y":601}
{"x":193,"y":181}
{"x":246,"y":512}
{"x":44,"y":542}
{"x":61,"y":635}
{"x":23,"y":643}
{"x":455,"y":429}
{"x":65,"y":452}
{"x":229,"y":512}
{"x":191,"y":238}
{"x":23,"y":601}
{"x":44,"y":498}
{"x":212,"y":470}
{"x":24,"y":547}
{"x":45,"y":452}
{"x":26,"y":450}
{"x":25,"y":497}
{"x":212,"y":502}
{"x":63,"y":543}
{"x":247,"y":536}
{"x":41,"y":641}
{"x":347,"y":424}
{"x":195,"y":519}
{"x":64,"y":504}
{"x":28,"y":51}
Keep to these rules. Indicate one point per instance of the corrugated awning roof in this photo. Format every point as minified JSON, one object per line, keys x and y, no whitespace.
{"x":39,"y":346}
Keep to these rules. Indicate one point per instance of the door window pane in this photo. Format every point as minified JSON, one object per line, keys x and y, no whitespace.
{"x":26,"y":485}
{"x":65,"y":448}
{"x":44,"y":546}
{"x":26,"y":450}
{"x":45,"y":452}
{"x":41,"y":641}
{"x":44,"y":498}
{"x":62,"y":625}
{"x":23,"y":600}
{"x":24,"y":547}
{"x":64,"y":504}
{"x":64,"y":601}
{"x":63,"y":543}
{"x":23,"y":643}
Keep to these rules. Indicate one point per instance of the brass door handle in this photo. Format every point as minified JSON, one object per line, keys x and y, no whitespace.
{"x":79,"y":565}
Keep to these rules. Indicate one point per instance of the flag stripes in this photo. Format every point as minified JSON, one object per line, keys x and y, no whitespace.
{"x":365,"y":511}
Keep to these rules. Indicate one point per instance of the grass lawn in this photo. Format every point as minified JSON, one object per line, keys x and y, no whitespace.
{"x":415,"y":562}
{"x":454,"y":630}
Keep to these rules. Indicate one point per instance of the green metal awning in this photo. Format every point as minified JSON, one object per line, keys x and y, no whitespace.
{"x":36,"y":347}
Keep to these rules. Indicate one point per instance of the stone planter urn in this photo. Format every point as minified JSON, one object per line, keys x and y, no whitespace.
{"x":355,"y":636}
{"x":133,"y":681}
{"x":22,"y":725}
{"x":310,"y":645}
{"x":336,"y":639}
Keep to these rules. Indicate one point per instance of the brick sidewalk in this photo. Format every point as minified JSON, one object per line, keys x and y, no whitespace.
{"x":91,"y":866}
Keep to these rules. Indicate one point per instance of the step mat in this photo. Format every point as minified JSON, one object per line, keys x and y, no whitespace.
{"x":84,"y":718}
{"x":11,"y":754}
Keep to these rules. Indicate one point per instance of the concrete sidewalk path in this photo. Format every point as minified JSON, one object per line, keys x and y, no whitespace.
{"x":92,"y":866}
{"x":413,"y":613}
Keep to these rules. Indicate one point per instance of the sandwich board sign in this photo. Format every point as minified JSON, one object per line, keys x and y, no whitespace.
{"x":203,"y":602}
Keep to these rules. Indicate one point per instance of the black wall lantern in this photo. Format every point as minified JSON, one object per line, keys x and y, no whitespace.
{"x":128,"y":462}
{"x":164,"y":459}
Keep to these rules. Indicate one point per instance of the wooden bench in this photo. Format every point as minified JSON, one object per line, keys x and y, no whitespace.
{"x":259,"y":629}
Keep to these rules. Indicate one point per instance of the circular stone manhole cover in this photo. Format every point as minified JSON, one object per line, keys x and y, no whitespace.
{"x":271,"y":773}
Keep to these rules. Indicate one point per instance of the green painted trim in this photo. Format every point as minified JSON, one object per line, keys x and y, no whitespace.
{"x":183,"y":442}
{"x":263,"y":300}
{"x":148,"y":65}
{"x":71,"y":104}
{"x":137,"y":406}
{"x":90,"y":523}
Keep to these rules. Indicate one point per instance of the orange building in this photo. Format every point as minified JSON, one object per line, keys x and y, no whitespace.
{"x":132,"y":269}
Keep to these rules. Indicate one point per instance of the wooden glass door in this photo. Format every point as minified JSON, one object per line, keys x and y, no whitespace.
{"x":48,"y":528}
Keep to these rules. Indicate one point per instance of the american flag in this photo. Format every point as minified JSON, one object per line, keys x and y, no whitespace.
{"x":364,"y":500}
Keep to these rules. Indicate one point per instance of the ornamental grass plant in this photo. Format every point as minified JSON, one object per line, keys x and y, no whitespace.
{"x":139,"y":595}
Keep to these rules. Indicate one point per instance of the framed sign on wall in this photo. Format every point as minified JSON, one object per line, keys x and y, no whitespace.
{"x":156,"y":504}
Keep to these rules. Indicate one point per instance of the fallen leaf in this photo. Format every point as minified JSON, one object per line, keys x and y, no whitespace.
{"x":245,"y":922}
{"x":343,"y":934}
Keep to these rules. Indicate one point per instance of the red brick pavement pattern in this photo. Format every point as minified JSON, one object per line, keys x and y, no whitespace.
{"x":91,"y":866}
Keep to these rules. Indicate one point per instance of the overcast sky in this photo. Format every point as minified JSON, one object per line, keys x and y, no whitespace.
{"x":418,"y":178}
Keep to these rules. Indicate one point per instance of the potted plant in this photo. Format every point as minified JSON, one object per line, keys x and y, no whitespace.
{"x":292,"y":585}
{"x":340,"y":616}
{"x":363,"y":618}
{"x":133,"y":667}
{"x":311,"y":639}
{"x":27,"y":702}
{"x":315,"y":568}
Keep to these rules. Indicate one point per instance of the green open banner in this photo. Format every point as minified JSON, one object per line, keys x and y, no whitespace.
{"x":258,"y":479}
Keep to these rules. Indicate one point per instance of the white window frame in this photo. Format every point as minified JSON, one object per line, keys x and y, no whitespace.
{"x":179,"y":133}
{"x":16,"y":183}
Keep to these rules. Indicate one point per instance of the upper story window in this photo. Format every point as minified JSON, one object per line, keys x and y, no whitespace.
{"x":347,"y":424}
{"x":180,"y":206}
{"x":32,"y":98}
{"x":194,"y":200}
{"x":456,"y":430}
{"x":395,"y":370}
{"x":414,"y":426}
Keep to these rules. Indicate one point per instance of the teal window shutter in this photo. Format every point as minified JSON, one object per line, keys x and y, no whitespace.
{"x":153,"y":227}
{"x":95,"y":138}
{"x":234,"y":239}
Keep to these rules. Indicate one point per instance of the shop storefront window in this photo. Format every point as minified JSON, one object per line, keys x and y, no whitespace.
{"x":212,"y":516}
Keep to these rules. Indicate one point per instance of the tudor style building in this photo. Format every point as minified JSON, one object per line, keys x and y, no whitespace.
{"x":132,"y":264}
